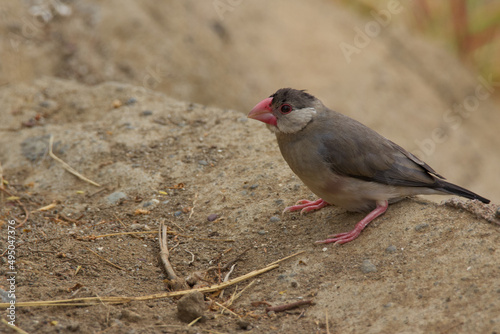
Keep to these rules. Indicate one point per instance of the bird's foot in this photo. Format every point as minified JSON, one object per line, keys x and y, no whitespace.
{"x":342,"y":238}
{"x":305,"y":206}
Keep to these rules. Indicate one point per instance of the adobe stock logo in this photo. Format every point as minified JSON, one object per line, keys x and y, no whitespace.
{"x":363,"y":37}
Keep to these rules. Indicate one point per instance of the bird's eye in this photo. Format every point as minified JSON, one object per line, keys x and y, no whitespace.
{"x":285,"y":109}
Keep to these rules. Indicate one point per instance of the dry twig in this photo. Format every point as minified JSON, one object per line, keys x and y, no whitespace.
{"x":93,"y":237}
{"x":326,"y":320}
{"x":68,"y":167}
{"x":286,"y":307}
{"x":286,"y":258}
{"x":237,"y":295}
{"x":15,"y":328}
{"x":86,"y":301}
{"x":175,"y":282}
{"x":104,"y":259}
{"x":192,"y":208}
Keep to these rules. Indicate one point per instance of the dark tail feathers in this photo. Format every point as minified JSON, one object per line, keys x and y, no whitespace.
{"x":457,"y":190}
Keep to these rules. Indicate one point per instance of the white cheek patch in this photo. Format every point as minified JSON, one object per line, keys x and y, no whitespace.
{"x":296,"y":120}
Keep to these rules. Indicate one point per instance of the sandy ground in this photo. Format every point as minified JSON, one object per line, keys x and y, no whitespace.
{"x":112,"y":97}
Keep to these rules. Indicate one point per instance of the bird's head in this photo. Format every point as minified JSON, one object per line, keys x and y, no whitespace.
{"x":287,"y":111}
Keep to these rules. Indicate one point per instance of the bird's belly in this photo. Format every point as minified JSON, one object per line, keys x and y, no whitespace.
{"x":352,"y":194}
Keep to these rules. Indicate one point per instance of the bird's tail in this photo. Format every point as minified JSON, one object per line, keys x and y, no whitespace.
{"x":451,"y":188}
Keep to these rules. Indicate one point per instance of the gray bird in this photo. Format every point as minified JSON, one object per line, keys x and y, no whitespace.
{"x":344,"y":162}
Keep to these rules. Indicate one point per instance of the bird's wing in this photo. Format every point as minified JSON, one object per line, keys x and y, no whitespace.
{"x":359,"y":152}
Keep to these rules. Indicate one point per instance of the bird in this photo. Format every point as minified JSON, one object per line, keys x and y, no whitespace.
{"x":344,"y":162}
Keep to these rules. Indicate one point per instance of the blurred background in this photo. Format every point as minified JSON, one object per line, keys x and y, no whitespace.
{"x":423,"y":73}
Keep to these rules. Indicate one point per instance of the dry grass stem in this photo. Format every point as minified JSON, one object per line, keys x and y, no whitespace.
{"x":15,"y":328}
{"x":164,"y":253}
{"x":87,"y":301}
{"x":68,"y":167}
{"x":104,"y":259}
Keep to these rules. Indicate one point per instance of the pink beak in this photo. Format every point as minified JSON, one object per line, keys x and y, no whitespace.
{"x":263,"y":112}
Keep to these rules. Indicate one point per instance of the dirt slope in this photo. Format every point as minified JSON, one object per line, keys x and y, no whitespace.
{"x":435,"y":266}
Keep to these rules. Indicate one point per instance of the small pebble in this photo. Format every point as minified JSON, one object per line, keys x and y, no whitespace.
{"x":254,"y":186}
{"x":279,"y":202}
{"x":177,"y":213}
{"x":262,"y":232}
{"x":421,"y":227}
{"x":212,"y":217}
{"x":131,"y":316}
{"x":147,"y":113}
{"x":131,"y":101}
{"x":203,"y":162}
{"x":242,"y":324}
{"x":116,"y":197}
{"x":274,"y":219}
{"x":191,"y":306}
{"x":117,"y":104}
{"x":497,"y":213}
{"x":391,"y":249}
{"x":148,"y":203}
{"x":49,"y":104}
{"x":368,"y":267}
{"x":136,"y":226}
{"x":271,"y":314}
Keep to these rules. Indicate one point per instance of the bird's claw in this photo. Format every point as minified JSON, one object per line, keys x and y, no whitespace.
{"x":305,"y":205}
{"x":340,"y":238}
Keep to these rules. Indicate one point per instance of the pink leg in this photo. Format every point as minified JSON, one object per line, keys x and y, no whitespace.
{"x":342,"y":238}
{"x":305,"y":206}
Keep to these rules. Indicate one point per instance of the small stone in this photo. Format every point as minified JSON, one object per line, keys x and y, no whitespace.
{"x":74,"y":327}
{"x":131,"y":101}
{"x":129,"y":126}
{"x":279,"y":202}
{"x":191,"y":306}
{"x":136,"y":227}
{"x":242,"y":324}
{"x":148,"y":203}
{"x":130,"y":316}
{"x":262,"y":232}
{"x":147,"y":113}
{"x":421,"y":227}
{"x":177,"y":213}
{"x":497,"y":213}
{"x":49,"y":104}
{"x":202,"y":162}
{"x":368,"y":267}
{"x":35,"y":148}
{"x":254,"y":186}
{"x":117,"y":104}
{"x":212,"y":217}
{"x":391,"y":249}
{"x":274,"y":219}
{"x":294,"y":284}
{"x":116,"y":197}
